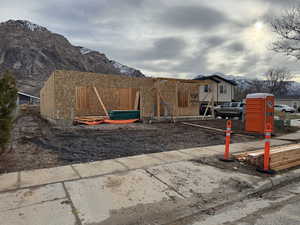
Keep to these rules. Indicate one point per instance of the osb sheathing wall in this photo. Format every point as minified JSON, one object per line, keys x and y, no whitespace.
{"x":67,"y":81}
{"x":58,"y":96}
{"x":47,"y":99}
{"x":192,"y":91}
{"x":87,"y":102}
{"x":169,"y":98}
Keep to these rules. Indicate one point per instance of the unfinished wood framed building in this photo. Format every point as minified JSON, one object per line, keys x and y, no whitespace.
{"x":69,"y":94}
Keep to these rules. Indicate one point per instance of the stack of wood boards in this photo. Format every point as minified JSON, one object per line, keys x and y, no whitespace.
{"x":281,"y":158}
{"x":90,"y":118}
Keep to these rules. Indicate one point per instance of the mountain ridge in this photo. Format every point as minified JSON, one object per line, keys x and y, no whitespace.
{"x":32,"y":53}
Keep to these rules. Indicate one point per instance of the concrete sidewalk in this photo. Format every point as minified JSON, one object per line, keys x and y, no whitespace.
{"x":290,"y":137}
{"x":146,"y":189}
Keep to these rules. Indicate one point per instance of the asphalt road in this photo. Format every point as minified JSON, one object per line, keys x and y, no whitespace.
{"x":277,"y":207}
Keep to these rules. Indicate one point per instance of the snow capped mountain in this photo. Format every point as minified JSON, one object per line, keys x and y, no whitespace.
{"x":32,"y":53}
{"x":26,"y":25}
{"x":84,"y":50}
{"x":295,"y":89}
{"x":126,"y":69}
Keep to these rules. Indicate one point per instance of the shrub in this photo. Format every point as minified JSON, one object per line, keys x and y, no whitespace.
{"x":8,"y":97}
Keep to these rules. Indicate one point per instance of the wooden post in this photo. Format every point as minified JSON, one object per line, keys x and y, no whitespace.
{"x":136,"y":102}
{"x":209,"y":101}
{"x":213,"y":102}
{"x":141,"y":105}
{"x":206,"y":110}
{"x":100,"y":100}
{"x":176,"y":100}
{"x":158,"y":100}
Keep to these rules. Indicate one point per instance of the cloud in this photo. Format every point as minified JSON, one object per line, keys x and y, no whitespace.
{"x":236,"y":47}
{"x":192,"y":17}
{"x":163,"y":37}
{"x":214,"y":41}
{"x":163,"y":48}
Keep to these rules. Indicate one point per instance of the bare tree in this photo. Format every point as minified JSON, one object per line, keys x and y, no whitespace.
{"x":278,"y":80}
{"x":254,"y":86}
{"x":257,"y":86}
{"x":287,"y":28}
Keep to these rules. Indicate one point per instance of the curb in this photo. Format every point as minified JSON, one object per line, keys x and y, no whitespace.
{"x":270,"y":183}
{"x":286,"y":177}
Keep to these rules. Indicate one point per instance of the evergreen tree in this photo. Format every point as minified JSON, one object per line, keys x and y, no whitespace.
{"x":8,"y":97}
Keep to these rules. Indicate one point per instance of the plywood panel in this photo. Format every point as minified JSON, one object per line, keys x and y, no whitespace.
{"x":124,"y":99}
{"x":183,"y":98}
{"x":47,"y":101}
{"x":113,"y":99}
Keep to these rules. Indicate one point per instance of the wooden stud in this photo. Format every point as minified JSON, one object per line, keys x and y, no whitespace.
{"x":213,"y":102}
{"x":129,"y":98}
{"x":136,"y":101}
{"x":158,"y":100}
{"x":176,"y":100}
{"x":100,"y":100}
{"x":206,"y":110}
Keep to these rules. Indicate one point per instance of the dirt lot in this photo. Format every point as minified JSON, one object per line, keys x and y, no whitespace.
{"x":38,"y":144}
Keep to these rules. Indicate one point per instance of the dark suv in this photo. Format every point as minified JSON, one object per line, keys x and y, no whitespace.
{"x":203,"y":107}
{"x":230,"y":109}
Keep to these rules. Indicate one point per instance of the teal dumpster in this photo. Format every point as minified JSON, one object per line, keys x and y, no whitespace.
{"x":124,"y":114}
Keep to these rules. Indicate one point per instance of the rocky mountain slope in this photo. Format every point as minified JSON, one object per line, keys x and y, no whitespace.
{"x":33,"y":52}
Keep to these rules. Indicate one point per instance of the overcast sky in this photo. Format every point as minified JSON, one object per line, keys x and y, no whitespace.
{"x":166,"y":37}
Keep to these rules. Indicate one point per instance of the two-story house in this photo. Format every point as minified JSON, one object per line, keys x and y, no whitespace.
{"x":222,"y":90}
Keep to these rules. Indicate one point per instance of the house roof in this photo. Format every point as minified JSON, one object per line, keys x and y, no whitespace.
{"x":178,"y":79}
{"x":216,"y":78}
{"x":27,"y":95}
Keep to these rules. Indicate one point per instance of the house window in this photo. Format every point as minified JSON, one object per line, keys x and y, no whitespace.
{"x":207,"y":88}
{"x":223,"y":89}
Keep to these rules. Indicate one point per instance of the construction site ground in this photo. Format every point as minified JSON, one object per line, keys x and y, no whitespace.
{"x":39,"y":144}
{"x":175,"y":187}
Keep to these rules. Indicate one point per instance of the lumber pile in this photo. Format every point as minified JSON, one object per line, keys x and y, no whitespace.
{"x":89,"y":120}
{"x":283,"y":157}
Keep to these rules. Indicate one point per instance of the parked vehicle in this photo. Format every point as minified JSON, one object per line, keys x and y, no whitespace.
{"x":230,"y":109}
{"x":203,"y":107}
{"x":284,"y":108}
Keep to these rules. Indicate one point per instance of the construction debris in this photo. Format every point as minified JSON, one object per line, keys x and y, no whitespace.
{"x":281,"y":158}
{"x":89,"y":120}
{"x":96,"y":120}
{"x":210,"y":128}
{"x":205,"y":127}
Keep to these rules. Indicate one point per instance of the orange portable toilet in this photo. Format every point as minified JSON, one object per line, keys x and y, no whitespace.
{"x":259,"y":112}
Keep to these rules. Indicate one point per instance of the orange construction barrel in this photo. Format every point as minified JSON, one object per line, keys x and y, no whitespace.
{"x":259,"y":112}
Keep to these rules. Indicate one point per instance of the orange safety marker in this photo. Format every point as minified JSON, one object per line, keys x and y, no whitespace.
{"x":227,"y":142}
{"x":268,"y":133}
